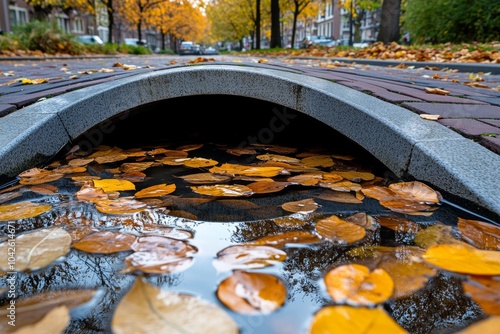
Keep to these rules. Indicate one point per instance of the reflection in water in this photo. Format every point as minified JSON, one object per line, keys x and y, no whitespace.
{"x":440,"y":307}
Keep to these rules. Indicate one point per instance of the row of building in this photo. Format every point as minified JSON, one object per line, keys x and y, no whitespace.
{"x":331,"y":23}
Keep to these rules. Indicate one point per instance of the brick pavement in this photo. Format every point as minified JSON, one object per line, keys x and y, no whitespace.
{"x":472,"y":107}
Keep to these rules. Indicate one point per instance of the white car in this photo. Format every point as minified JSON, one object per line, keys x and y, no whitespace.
{"x":90,"y":39}
{"x":135,"y":42}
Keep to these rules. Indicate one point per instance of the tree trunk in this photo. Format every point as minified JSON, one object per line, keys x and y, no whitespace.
{"x":275,"y":24}
{"x":389,"y":21}
{"x":111,"y":20}
{"x":294,"y":26}
{"x":257,"y":25}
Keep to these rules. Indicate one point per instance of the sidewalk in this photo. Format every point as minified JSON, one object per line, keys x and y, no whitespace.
{"x":471,"y":107}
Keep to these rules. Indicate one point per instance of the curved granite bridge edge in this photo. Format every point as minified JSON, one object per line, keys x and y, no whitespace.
{"x":397,"y":137}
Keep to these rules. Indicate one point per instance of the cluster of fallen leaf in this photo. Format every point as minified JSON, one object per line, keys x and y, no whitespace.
{"x":465,"y":53}
{"x":358,"y":289}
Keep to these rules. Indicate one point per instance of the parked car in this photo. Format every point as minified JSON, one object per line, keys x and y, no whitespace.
{"x":210,"y":51}
{"x":189,"y":48}
{"x":135,"y":42}
{"x":90,"y":39}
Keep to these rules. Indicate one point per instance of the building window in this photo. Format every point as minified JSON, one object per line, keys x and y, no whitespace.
{"x":18,"y":16}
{"x":78,"y":25}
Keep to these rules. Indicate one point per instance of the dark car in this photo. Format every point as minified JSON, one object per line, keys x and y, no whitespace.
{"x":189,"y":48}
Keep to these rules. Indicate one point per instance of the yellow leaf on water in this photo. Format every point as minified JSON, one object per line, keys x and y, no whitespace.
{"x":252,"y":293}
{"x":22,"y":210}
{"x":148,"y":309}
{"x":156,"y":191}
{"x":353,"y":320}
{"x":356,"y":285}
{"x":307,"y":205}
{"x":463,"y":259}
{"x":486,"y":326}
{"x":105,"y":242}
{"x":110,"y":185}
{"x":222,"y":190}
{"x":484,"y":290}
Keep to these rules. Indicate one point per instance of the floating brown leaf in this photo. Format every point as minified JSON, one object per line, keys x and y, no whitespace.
{"x":356,"y":176}
{"x":357,"y":285}
{"x":350,"y":320}
{"x":339,"y":230}
{"x":36,"y":249}
{"x":417,"y":191}
{"x":308,"y":179}
{"x":148,"y":309}
{"x":436,"y":234}
{"x":480,"y":234}
{"x":130,"y":167}
{"x":105,"y":242}
{"x":205,"y":178}
{"x":398,"y":223}
{"x":31,"y":310}
{"x":307,"y":205}
{"x":165,"y":245}
{"x":252,"y":293}
{"x":265,"y":187}
{"x":282,"y":239}
{"x":38,"y":176}
{"x":247,"y":257}
{"x":485,"y":291}
{"x":339,"y":196}
{"x":277,"y":157}
{"x":44,"y":189}
{"x":22,"y":210}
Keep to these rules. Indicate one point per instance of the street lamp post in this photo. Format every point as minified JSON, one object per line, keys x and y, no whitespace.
{"x":350,"y":25}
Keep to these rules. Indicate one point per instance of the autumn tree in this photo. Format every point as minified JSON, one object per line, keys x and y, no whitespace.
{"x":231,"y":19}
{"x":357,"y":10}
{"x":178,"y":20}
{"x":299,"y":7}
{"x":137,"y":11}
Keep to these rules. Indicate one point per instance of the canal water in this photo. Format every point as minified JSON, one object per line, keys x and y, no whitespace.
{"x":218,"y":128}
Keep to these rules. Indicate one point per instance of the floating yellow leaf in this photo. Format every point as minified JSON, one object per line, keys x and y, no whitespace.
{"x":398,"y":223}
{"x":356,"y":285}
{"x":130,"y":167}
{"x":199,"y":162}
{"x":462,"y":259}
{"x":110,"y":185}
{"x":485,"y":326}
{"x":308,"y":179}
{"x":252,"y":293}
{"x":148,"y":309}
{"x":122,"y":205}
{"x":354,"y":320}
{"x":38,"y":176}
{"x":22,"y":210}
{"x":318,"y":161}
{"x":222,"y":190}
{"x":339,"y":230}
{"x":156,"y":191}
{"x":356,"y":176}
{"x":234,"y":169}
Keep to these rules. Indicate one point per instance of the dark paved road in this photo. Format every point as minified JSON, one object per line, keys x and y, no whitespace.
{"x":471,"y":108}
